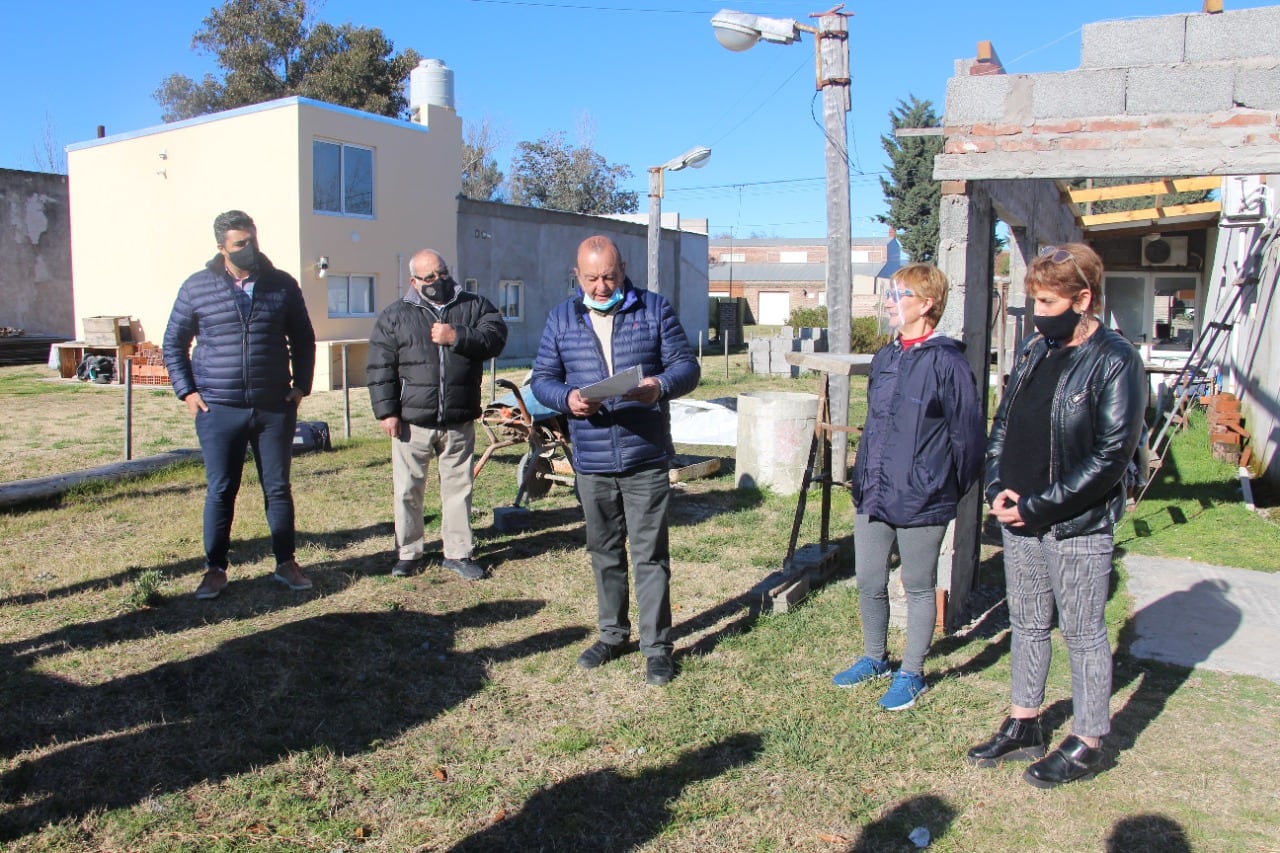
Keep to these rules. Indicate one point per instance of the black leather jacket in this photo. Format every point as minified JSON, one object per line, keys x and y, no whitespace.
{"x":1095,"y":422}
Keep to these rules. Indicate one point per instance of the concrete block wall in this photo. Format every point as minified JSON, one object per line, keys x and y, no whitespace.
{"x":768,"y":355}
{"x":1204,"y":86}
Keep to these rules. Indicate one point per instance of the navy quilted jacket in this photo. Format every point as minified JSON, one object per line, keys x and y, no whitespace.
{"x":239,"y":362}
{"x":922,"y":447}
{"x":621,"y":436}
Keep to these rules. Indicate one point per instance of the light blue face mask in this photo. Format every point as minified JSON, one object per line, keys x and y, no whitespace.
{"x":603,"y":306}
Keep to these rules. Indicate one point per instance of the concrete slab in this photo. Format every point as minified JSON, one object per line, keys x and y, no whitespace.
{"x":1201,"y":616}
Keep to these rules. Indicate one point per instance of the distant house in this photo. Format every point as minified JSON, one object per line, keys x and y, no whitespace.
{"x":342,"y":198}
{"x":777,"y":275}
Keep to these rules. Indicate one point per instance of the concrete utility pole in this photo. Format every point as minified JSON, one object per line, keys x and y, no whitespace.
{"x":833,"y":80}
{"x":739,"y":31}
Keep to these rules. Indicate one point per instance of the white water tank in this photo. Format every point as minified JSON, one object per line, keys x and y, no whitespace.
{"x":430,"y":83}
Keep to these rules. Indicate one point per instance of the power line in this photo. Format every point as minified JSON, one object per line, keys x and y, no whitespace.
{"x":865,"y":177}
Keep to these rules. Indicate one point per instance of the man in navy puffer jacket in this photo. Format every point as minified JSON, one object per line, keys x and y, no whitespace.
{"x":254,"y":359}
{"x":622,"y":445}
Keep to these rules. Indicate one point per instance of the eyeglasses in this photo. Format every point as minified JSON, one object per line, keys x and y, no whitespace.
{"x":1061,"y":256}
{"x":432,"y":277}
{"x":897,"y":294}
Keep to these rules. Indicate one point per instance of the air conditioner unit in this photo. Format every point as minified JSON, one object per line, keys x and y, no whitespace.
{"x":1160,"y":251}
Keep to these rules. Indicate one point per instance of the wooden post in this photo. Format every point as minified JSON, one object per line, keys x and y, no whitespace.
{"x":128,"y":407}
{"x":346,"y":396}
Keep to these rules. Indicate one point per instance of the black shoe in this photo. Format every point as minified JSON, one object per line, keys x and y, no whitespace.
{"x":1017,"y":740}
{"x":404,"y":568}
{"x":659,"y":670}
{"x":1073,"y":760}
{"x":599,"y":655}
{"x":466,"y":569}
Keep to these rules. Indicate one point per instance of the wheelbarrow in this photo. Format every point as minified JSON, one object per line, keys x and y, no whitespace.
{"x":518,"y":418}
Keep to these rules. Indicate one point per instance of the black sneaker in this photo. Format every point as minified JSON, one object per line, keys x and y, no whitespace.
{"x":404,"y":568}
{"x":659,"y":670}
{"x":599,"y":654}
{"x":467,"y":569}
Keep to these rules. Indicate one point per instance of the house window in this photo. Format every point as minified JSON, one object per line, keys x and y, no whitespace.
{"x":511,"y":300}
{"x":350,"y":295}
{"x":341,"y":178}
{"x":470,"y":285}
{"x":793,"y":257}
{"x":733,"y":257}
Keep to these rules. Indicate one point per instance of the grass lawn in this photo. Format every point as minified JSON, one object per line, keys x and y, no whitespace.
{"x":429,"y":713}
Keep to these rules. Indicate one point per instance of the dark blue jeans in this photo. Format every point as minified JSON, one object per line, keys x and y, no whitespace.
{"x":224,"y":433}
{"x":621,"y":508}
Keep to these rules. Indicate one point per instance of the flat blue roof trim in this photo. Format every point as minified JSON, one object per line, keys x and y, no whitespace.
{"x":242,"y":111}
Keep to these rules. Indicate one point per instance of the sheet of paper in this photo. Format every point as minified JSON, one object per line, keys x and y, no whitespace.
{"x":614,"y":386}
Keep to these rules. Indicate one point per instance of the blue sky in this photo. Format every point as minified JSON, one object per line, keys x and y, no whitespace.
{"x":643,"y":80}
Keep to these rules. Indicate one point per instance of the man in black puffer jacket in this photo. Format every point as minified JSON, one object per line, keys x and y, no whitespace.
{"x":426,"y":364}
{"x":254,"y":359}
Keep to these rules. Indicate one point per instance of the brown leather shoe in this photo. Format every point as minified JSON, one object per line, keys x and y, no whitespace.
{"x":211,"y":585}
{"x":290,"y":574}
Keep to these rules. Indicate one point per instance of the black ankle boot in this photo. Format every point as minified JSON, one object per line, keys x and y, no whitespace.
{"x":1074,"y":759}
{"x":1017,"y":740}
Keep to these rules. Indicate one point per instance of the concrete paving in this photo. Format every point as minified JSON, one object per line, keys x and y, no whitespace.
{"x":1208,"y":617}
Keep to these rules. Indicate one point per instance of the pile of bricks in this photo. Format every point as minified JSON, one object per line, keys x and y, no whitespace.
{"x":1227,"y":435}
{"x":148,"y":365}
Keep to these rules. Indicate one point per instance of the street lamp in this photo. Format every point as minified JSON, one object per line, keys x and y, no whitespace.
{"x":694,"y":158}
{"x":739,"y":31}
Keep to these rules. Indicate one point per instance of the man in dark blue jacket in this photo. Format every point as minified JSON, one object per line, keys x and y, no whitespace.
{"x":254,"y":359}
{"x":426,"y":364}
{"x":621,"y":445}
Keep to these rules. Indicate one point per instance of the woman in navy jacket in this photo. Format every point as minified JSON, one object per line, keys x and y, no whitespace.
{"x":921,"y":450}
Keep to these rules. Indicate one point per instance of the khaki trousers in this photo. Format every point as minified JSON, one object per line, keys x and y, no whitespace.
{"x":411,"y":454}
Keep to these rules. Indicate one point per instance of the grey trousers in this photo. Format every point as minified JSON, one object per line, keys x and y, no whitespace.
{"x":1073,"y":574}
{"x":918,"y":547}
{"x":630,"y":507}
{"x":411,"y":454}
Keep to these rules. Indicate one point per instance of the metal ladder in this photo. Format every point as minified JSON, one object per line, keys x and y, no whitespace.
{"x":1206,"y":348}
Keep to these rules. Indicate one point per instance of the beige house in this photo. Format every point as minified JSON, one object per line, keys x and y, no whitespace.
{"x":341,"y":199}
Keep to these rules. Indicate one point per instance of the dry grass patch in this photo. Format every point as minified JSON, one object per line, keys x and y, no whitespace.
{"x":427,"y":713}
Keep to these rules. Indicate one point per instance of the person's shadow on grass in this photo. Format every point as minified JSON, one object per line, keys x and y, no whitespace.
{"x":892,"y":831}
{"x":606,"y":810}
{"x":1184,"y":626}
{"x":344,"y":682}
{"x":1147,"y":833}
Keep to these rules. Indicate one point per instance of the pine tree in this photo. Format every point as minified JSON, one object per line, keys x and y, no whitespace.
{"x":913,"y":195}
{"x":270,"y":49}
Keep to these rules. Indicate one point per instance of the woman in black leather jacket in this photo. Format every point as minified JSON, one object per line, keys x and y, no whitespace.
{"x":1061,"y":443}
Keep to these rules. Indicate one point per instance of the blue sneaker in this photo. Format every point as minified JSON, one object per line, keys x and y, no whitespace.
{"x":902,"y":694}
{"x":864,"y":669}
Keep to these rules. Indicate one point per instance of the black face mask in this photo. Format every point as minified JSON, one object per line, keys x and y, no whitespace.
{"x":1058,"y":328}
{"x":439,"y":291}
{"x":246,"y":257}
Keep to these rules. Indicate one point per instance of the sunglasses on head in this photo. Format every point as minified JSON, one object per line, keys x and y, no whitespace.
{"x":1061,"y":256}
